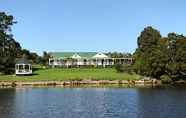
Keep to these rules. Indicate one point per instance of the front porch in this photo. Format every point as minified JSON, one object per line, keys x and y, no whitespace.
{"x":96,"y":62}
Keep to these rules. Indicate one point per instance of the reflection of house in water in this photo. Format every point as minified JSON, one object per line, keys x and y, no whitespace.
{"x":23,"y":67}
{"x":73,"y":59}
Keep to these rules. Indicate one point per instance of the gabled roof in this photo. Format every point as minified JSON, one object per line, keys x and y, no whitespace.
{"x":100,"y":55}
{"x":76,"y":56}
{"x":23,"y":61}
{"x":71,"y":54}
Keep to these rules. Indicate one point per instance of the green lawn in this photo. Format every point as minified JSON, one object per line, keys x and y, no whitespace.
{"x":71,"y":74}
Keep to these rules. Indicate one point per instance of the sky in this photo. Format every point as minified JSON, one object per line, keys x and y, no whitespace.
{"x":91,"y":25}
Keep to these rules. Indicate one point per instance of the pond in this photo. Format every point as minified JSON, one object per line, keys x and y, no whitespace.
{"x":93,"y":103}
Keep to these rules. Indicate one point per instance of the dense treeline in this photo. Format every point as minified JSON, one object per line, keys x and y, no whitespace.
{"x":11,"y":50}
{"x":34,"y":58}
{"x":160,"y":57}
{"x":119,"y":55}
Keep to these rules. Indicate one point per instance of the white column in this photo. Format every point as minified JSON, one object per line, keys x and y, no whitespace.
{"x":29,"y":67}
{"x":104,"y":63}
{"x":24,"y":67}
{"x":96,"y":62}
{"x":15,"y":67}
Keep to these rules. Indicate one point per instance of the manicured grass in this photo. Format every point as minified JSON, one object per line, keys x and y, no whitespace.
{"x":71,"y":74}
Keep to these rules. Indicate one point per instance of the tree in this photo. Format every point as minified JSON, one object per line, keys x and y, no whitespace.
{"x":9,"y":48}
{"x":119,"y":55}
{"x":45,"y":58}
{"x":176,"y":67}
{"x":160,"y":57}
{"x":146,"y":54}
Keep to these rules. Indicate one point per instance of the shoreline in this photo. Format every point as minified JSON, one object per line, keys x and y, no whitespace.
{"x":76,"y":83}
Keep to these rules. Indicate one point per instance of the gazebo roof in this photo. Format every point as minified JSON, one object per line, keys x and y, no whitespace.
{"x":22,"y":61}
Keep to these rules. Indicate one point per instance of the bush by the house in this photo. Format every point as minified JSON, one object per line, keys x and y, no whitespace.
{"x":165,"y":79}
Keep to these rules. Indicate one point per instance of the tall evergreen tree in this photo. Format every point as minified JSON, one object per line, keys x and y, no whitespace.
{"x":9,"y":48}
{"x":156,"y":56}
{"x":147,"y":51}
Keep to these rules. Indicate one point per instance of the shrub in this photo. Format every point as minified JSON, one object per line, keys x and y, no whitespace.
{"x":124,"y":68}
{"x":165,"y":79}
{"x":119,"y":68}
{"x":128,"y":69}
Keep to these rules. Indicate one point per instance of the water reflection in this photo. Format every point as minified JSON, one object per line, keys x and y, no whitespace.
{"x":161,"y":103}
{"x":6,"y":102}
{"x":92,"y":103}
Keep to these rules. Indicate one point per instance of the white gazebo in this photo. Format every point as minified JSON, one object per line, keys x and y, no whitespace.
{"x":23,"y":67}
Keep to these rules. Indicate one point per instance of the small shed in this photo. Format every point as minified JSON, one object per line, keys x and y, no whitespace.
{"x":23,"y":67}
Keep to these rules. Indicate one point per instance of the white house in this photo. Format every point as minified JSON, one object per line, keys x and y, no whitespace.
{"x":78,"y":59}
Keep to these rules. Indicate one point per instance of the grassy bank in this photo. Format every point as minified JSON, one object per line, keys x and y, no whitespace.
{"x":71,"y":74}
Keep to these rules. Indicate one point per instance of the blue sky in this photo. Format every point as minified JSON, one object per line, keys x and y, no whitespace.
{"x":91,"y":25}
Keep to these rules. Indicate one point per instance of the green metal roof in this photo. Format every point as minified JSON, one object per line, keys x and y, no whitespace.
{"x":70,"y":54}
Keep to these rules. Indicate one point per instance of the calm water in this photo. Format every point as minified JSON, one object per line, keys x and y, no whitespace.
{"x":93,"y":103}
